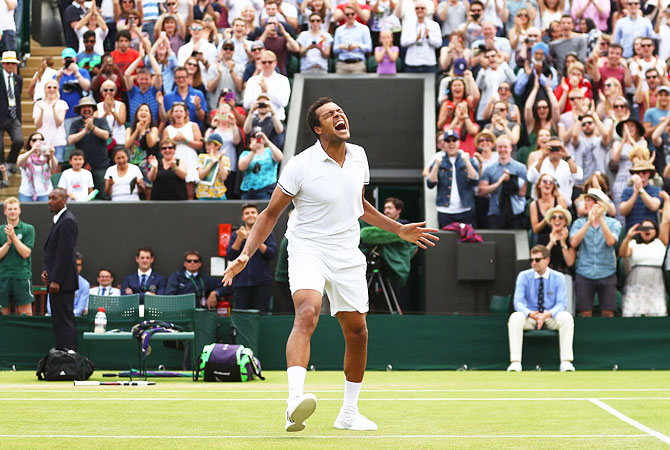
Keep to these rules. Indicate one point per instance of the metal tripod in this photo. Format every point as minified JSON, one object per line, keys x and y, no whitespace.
{"x":378,"y":283}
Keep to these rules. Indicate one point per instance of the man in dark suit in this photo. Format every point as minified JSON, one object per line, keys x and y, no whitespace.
{"x":60,"y":269}
{"x":11,"y":85}
{"x":145,"y":281}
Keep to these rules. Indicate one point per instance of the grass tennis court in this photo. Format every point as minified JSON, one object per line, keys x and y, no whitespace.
{"x":438,"y":410}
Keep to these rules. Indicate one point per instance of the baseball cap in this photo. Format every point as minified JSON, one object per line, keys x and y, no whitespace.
{"x":664,"y":89}
{"x":450,"y":134}
{"x":214,"y":137}
{"x":460,"y":66}
{"x":68,"y":53}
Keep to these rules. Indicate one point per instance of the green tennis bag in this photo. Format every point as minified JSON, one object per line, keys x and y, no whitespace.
{"x":228,"y":362}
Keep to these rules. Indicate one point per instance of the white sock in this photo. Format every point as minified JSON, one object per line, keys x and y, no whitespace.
{"x":296,"y":381}
{"x":351,"y":391}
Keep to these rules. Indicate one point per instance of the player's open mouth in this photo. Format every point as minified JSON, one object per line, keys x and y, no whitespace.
{"x":341,"y":126}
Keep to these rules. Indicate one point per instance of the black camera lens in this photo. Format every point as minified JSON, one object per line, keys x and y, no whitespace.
{"x":256,"y":168}
{"x":555,"y":148}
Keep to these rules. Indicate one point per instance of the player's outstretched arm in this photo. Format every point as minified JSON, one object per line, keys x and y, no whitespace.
{"x":259,"y":233}
{"x":412,"y":232}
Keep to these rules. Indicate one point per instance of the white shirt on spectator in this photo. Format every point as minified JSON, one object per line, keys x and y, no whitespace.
{"x":108,"y":290}
{"x":566,"y":180}
{"x":100,"y":36}
{"x":313,"y":57}
{"x":421,"y":52}
{"x":77,"y":183}
{"x":279,"y":91}
{"x":207,"y":49}
{"x":121,"y":188}
{"x":409,"y":14}
{"x":6,"y":18}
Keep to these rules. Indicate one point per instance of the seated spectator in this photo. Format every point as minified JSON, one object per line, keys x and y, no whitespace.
{"x":185,"y":94}
{"x":147,"y":88}
{"x":259,"y":165}
{"x":557,"y":242}
{"x":453,"y":91}
{"x":80,"y":295}
{"x":555,"y":161}
{"x":632,"y":133}
{"x":547,"y":196}
{"x":92,"y":21}
{"x":89,"y":58}
{"x":197,"y":46}
{"x":191,"y":280}
{"x":141,"y":141}
{"x":494,"y":71}
{"x":275,"y":85}
{"x":455,"y":203}
{"x":213,"y":169}
{"x":45,"y":72}
{"x":315,"y":46}
{"x":188,"y":138}
{"x":49,"y":116}
{"x":567,"y":42}
{"x":123,"y":181}
{"x":72,"y":82}
{"x":124,"y":55}
{"x":171,"y":27}
{"x":113,"y":112}
{"x":167,"y":175}
{"x":540,"y":301}
{"x":37,"y":163}
{"x":420,"y":38}
{"x":386,"y":54}
{"x":644,"y":292}
{"x":225,"y":75}
{"x":279,"y":41}
{"x":642,"y":200}
{"x":17,"y":239}
{"x":104,"y":288}
{"x":351,"y":43}
{"x":506,"y":182}
{"x":252,"y":287}
{"x":393,"y":209}
{"x":77,"y":181}
{"x":594,"y":237}
{"x":145,"y":281}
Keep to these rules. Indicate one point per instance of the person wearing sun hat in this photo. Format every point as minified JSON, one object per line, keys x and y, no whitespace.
{"x":11,"y":85}
{"x":642,"y":200}
{"x":632,"y":135}
{"x":212,"y":187}
{"x":594,"y":237}
{"x":557,"y":242}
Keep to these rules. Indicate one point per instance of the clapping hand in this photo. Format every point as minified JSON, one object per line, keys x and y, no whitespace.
{"x":153,"y":161}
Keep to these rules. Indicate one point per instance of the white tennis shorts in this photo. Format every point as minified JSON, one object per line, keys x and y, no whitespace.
{"x":341,"y":272}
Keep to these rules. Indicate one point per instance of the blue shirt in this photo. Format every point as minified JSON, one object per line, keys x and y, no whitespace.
{"x":257,"y":271}
{"x":640,"y":211}
{"x":167,"y":72}
{"x":136,"y":98}
{"x":264,"y":176}
{"x":493,"y":173}
{"x":358,"y":34}
{"x":174,"y":97}
{"x":595,"y":259}
{"x":626,"y":30}
{"x":80,"y":298}
{"x":527,"y":287}
{"x":71,"y":98}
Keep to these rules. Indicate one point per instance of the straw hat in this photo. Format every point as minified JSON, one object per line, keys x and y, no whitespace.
{"x":85,"y":101}
{"x":642,"y":166}
{"x":558,"y":209}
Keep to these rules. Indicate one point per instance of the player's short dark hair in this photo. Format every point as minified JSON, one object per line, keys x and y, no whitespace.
{"x":541,"y":249}
{"x":249,"y":205}
{"x":89,"y":34}
{"x":312,"y":116}
{"x":123,"y":34}
{"x":145,"y":249}
{"x":76,"y":152}
{"x":399,"y":204}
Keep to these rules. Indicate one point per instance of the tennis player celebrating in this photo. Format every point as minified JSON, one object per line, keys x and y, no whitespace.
{"x":326,"y":184}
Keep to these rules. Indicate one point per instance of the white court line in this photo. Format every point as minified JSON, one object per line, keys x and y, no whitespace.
{"x":269,"y":391}
{"x":362,"y":436}
{"x":283,"y":400}
{"x":630,"y":421}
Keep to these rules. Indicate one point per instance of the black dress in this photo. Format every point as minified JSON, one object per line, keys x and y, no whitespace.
{"x":168,"y":185}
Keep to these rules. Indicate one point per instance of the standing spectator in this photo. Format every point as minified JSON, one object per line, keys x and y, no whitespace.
{"x":167,"y":63}
{"x":226,"y":74}
{"x":597,"y":11}
{"x":644,"y":292}
{"x":205,"y":51}
{"x":145,"y":281}
{"x":506,"y":182}
{"x":540,"y":300}
{"x":286,"y":12}
{"x":278,"y":40}
{"x":494,"y":72}
{"x":647,"y":60}
{"x":60,"y":269}
{"x":363,"y":12}
{"x":587,"y":148}
{"x":191,"y":280}
{"x":451,"y":13}
{"x":558,"y":243}
{"x":37,"y":164}
{"x":555,"y":161}
{"x":168,"y":174}
{"x":500,"y":124}
{"x":11,"y":86}
{"x":90,"y":135}
{"x":252,"y":287}
{"x":567,"y":42}
{"x":574,"y":81}
{"x":632,"y":133}
{"x":88,"y":58}
{"x":518,"y":31}
{"x":269,"y":82}
{"x":386,"y":54}
{"x":76,"y":181}
{"x":653,"y":116}
{"x":123,"y":181}
{"x":195,"y":78}
{"x":614,"y":67}
{"x":536,"y":64}
{"x":259,"y":165}
{"x":632,"y":26}
{"x":351,"y":43}
{"x":92,"y":21}
{"x":540,"y":113}
{"x":642,"y":200}
{"x":224,"y":125}
{"x":124,"y":55}
{"x":420,"y":39}
{"x":188,"y":138}
{"x":213,"y":169}
{"x":147,"y":89}
{"x":455,"y":175}
{"x":184,"y":93}
{"x":241,"y":42}
{"x":315,"y":46}
{"x":646,"y":98}
{"x":7,"y":25}
{"x":72,"y":15}
{"x":171,"y":27}
{"x":113,"y":112}
{"x":547,"y":197}
{"x":141,"y":141}
{"x":472,"y":29}
{"x":254,"y":66}
{"x":594,"y":237}
{"x":44,"y":73}
{"x":488,"y":41}
{"x":104,"y":288}
{"x":261,"y":114}
{"x":72,"y":82}
{"x":16,"y":246}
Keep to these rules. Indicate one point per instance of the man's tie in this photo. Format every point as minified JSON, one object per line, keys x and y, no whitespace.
{"x":103,"y":291}
{"x":11,"y":97}
{"x":540,"y":296}
{"x":143,"y":282}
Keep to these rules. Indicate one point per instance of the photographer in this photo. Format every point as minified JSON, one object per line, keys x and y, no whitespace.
{"x":314,"y":47}
{"x":259,"y":165}
{"x":555,"y":161}
{"x":36,"y":164}
{"x":473,"y":27}
{"x":225,"y":75}
{"x":72,"y":83}
{"x":262,"y":115}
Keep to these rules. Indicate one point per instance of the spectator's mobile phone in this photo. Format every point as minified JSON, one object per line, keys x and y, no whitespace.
{"x":645,"y":228}
{"x":555,"y":148}
{"x":133,"y":183}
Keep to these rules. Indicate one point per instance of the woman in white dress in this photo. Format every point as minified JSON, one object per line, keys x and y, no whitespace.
{"x":113,"y":111}
{"x":187,"y":136}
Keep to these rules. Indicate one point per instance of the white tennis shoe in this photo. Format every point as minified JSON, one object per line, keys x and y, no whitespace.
{"x":515,"y":366}
{"x":350,"y":419}
{"x":299,"y":409}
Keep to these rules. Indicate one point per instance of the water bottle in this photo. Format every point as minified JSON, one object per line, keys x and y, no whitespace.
{"x":100,"y":321}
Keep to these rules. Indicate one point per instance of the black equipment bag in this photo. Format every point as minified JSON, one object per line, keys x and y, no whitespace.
{"x":64,"y":365}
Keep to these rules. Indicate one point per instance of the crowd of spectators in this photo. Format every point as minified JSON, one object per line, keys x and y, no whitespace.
{"x":541,"y":104}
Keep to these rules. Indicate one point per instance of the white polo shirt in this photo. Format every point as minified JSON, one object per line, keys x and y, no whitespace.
{"x":327,"y":198}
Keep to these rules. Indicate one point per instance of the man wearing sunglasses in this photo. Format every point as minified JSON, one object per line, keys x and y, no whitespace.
{"x":653,"y":116}
{"x":350,"y":44}
{"x":632,"y":26}
{"x":201,"y":48}
{"x":191,"y":280}
{"x":540,"y":301}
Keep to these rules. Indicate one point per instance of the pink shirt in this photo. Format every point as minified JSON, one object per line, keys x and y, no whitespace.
{"x":600,"y":19}
{"x":51,"y":132}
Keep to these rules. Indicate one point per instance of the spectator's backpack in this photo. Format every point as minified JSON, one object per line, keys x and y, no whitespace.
{"x":228,"y":362}
{"x":64,"y":365}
